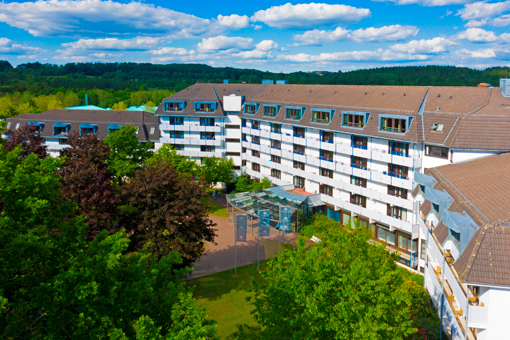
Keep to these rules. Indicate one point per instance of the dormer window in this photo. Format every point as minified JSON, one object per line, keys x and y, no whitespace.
{"x":395,"y":124}
{"x":174,"y":106}
{"x":437,"y":127}
{"x":87,"y":128}
{"x":322,"y":116}
{"x":113,"y":128}
{"x":294,"y":113}
{"x":205,"y":107}
{"x":153,"y":129}
{"x":271,"y":110}
{"x":176,"y":120}
{"x":61,"y":129}
{"x":354,"y":119}
{"x":251,"y":108}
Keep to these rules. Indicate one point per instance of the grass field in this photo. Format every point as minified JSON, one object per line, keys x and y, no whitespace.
{"x":223,"y":296}
{"x":213,"y":208}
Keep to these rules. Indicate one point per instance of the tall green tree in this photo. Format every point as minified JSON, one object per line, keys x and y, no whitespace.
{"x":56,"y":285}
{"x":218,"y":170}
{"x":127,"y":153}
{"x":182,"y":164}
{"x":342,"y":288}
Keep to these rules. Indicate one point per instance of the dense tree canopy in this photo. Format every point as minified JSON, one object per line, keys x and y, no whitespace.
{"x":30,"y":140}
{"x":342,"y":288}
{"x":57,"y":285}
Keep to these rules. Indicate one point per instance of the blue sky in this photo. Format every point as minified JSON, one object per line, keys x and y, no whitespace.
{"x":266,"y":35}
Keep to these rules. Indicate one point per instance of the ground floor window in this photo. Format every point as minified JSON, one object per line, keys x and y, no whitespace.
{"x":299,"y":182}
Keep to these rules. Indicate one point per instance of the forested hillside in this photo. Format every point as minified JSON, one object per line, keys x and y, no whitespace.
{"x":35,"y":87}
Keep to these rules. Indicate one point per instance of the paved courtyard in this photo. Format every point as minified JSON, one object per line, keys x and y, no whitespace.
{"x":221,"y":256}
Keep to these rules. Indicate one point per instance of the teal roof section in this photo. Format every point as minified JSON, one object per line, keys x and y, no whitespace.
{"x":86,"y":107}
{"x":142,"y":108}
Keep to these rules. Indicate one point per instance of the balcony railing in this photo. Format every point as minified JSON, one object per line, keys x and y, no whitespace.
{"x":357,"y":166}
{"x":326,"y":159}
{"x":350,"y":124}
{"x":327,"y":141}
{"x":357,"y":146}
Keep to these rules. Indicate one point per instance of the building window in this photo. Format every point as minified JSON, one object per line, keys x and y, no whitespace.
{"x":321,"y":116}
{"x":398,"y":148}
{"x":232,"y":140}
{"x":359,"y":200}
{"x":436,"y":151}
{"x":206,"y":121}
{"x":360,"y":182}
{"x":276,"y":144}
{"x":299,"y":132}
{"x":327,"y":155}
{"x":399,"y":171}
{"x":326,"y":189}
{"x":244,"y":137}
{"x":385,"y":235}
{"x":174,"y":106}
{"x":270,"y":111}
{"x":250,"y":108}
{"x":208,"y":135}
{"x":396,"y":191}
{"x":397,"y":212}
{"x":354,"y":120}
{"x":359,"y":162}
{"x":299,"y":182}
{"x":176,"y":120}
{"x":276,"y":128}
{"x":394,"y":124}
{"x":243,"y":150}
{"x":243,"y":122}
{"x":177,"y":134}
{"x":276,"y":173}
{"x":359,"y":142}
{"x":276,"y":159}
{"x":255,"y":167}
{"x":406,"y":243}
{"x":326,"y":172}
{"x":233,"y":154}
{"x":255,"y":139}
{"x":205,"y":107}
{"x":255,"y":153}
{"x":207,"y":148}
{"x":327,"y":137}
{"x":293,"y":113}
{"x":178,"y":147}
{"x":243,"y":162}
{"x":299,"y":165}
{"x":230,"y":126}
{"x":237,"y":167}
{"x":62,"y":141}
{"x":255,"y":125}
{"x":299,"y":149}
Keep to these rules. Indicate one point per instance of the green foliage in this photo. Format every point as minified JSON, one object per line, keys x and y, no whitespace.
{"x":217,"y":170}
{"x":182,"y":164}
{"x":342,"y":288}
{"x":127,"y":153}
{"x":57,"y":285}
{"x":120,"y":106}
{"x":243,"y":184}
{"x":318,"y":226}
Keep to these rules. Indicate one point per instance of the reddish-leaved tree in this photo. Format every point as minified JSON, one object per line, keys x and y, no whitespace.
{"x":166,"y":213}
{"x":30,"y":139}
{"x":87,"y":181}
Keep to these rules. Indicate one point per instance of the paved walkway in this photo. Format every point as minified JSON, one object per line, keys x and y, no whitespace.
{"x":221,"y":256}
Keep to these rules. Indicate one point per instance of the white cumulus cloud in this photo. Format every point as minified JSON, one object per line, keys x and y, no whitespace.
{"x":385,"y":33}
{"x":234,"y":21}
{"x":477,"y":35}
{"x":377,"y":55}
{"x":138,"y":43}
{"x":225,"y":43}
{"x":316,"y":37}
{"x":425,"y":46}
{"x":303,"y":16}
{"x":57,"y":17}
{"x":429,"y":3}
{"x":266,"y":45}
{"x":7,"y":46}
{"x":479,"y":13}
{"x":485,"y":53}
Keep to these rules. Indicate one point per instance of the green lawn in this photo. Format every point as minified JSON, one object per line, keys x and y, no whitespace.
{"x":214,"y":209}
{"x":223,"y":296}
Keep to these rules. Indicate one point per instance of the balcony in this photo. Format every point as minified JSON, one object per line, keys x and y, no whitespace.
{"x":246,"y":130}
{"x":478,"y":316}
{"x":328,"y":146}
{"x":276,"y":136}
{"x":276,"y":152}
{"x":360,"y":152}
{"x":265,"y":133}
{"x":328,"y":164}
{"x":265,"y":148}
{"x":313,"y":142}
{"x":287,"y":137}
{"x":255,"y":132}
{"x":313,"y":160}
{"x":299,"y":140}
{"x":299,"y":157}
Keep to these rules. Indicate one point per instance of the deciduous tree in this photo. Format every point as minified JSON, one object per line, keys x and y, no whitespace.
{"x":30,"y":140}
{"x":166,"y":212}
{"x":341,"y":288}
{"x":87,"y":181}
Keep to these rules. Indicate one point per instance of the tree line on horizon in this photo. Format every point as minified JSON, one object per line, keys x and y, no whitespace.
{"x":45,"y":79}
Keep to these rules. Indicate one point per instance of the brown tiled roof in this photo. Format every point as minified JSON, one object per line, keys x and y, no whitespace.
{"x":102,"y":118}
{"x":425,"y":208}
{"x":473,"y":117}
{"x":441,"y":232}
{"x":481,"y":189}
{"x":415,"y":191}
